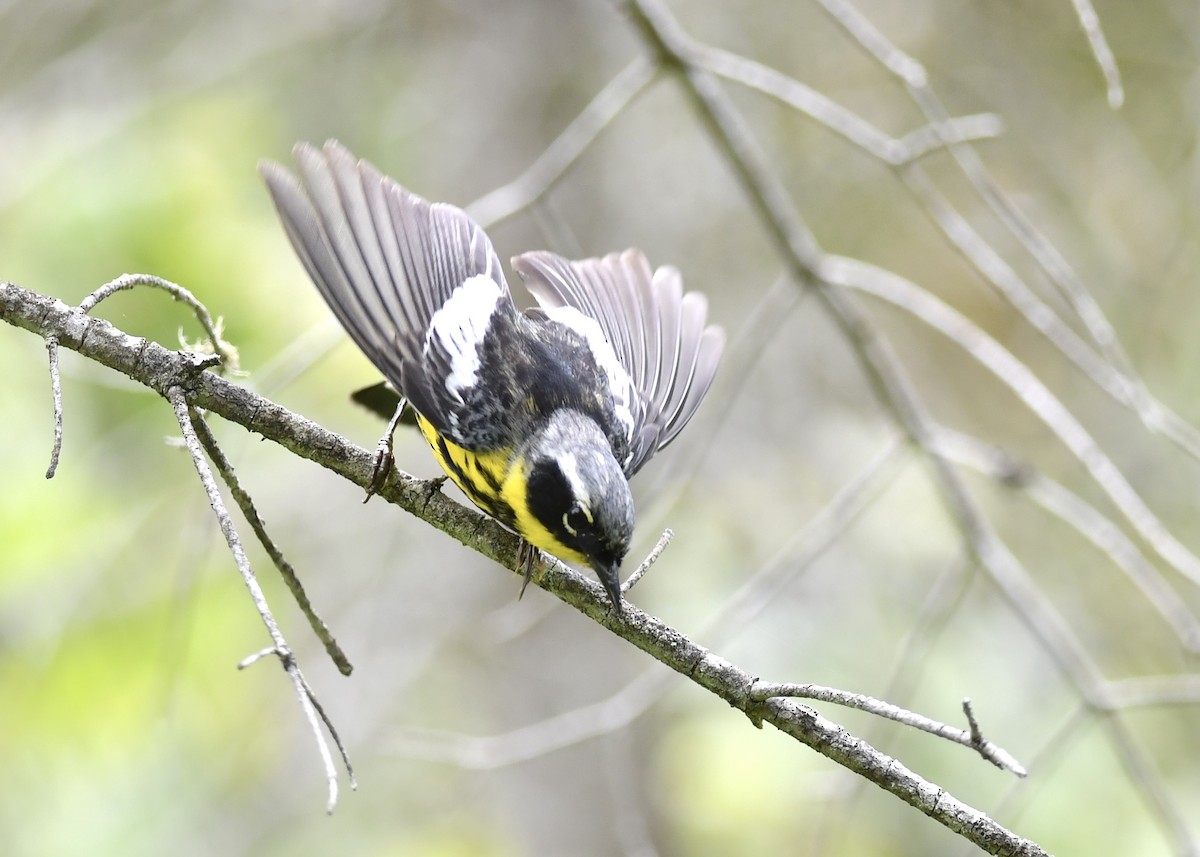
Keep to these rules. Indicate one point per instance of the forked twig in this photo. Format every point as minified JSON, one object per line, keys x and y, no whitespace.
{"x":971,"y":737}
{"x":217,"y":456}
{"x":227,"y":353}
{"x":304,"y":694}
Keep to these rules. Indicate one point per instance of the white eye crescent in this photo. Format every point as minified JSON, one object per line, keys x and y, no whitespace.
{"x":576,"y":518}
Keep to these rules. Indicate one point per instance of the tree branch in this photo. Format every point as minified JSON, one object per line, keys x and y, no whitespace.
{"x":173,"y":376}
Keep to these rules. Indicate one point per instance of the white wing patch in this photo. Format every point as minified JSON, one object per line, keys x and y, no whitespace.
{"x":606,"y":358}
{"x":459,"y":327}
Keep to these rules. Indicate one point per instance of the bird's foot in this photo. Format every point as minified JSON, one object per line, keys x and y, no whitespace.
{"x":527,"y":555}
{"x":381,"y":467}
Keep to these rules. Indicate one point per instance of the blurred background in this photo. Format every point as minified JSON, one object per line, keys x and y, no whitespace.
{"x":480,"y":725}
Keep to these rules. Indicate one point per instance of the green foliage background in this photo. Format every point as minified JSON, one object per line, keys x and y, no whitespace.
{"x":130,"y":135}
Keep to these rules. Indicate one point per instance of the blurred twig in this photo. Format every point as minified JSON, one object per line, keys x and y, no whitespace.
{"x":1090,"y":21}
{"x":859,"y":131}
{"x":1029,"y":388}
{"x":1113,"y":373}
{"x":523,"y":191}
{"x":1080,"y":515}
{"x":799,"y":248}
{"x":1156,"y":416}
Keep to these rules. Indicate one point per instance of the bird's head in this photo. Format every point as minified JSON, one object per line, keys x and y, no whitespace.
{"x":578,"y":492}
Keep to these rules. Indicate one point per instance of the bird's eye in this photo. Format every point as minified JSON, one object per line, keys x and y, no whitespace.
{"x":576,"y":519}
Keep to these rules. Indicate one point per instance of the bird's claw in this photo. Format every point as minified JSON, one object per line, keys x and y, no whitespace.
{"x":526,"y":556}
{"x":381,"y":467}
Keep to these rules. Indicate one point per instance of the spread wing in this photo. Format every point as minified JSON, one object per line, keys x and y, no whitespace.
{"x":415,"y":284}
{"x":657,"y":332}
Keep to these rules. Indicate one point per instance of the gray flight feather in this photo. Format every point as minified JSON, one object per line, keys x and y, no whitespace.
{"x":657,"y":331}
{"x":386,"y":261}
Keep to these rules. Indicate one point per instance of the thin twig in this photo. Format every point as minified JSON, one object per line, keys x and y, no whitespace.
{"x":1090,"y":21}
{"x":651,"y":558}
{"x":972,"y":737}
{"x":227,"y":353}
{"x":973,"y":724}
{"x":312,"y":711}
{"x":250,"y":513}
{"x":56,"y":391}
{"x":1042,"y":764}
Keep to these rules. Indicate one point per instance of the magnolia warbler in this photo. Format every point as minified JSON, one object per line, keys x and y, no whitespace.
{"x":541,"y":416}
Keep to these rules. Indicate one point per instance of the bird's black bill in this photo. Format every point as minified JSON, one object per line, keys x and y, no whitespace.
{"x":382,"y":400}
{"x":610,"y":579}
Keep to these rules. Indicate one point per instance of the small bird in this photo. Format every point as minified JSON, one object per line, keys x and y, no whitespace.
{"x":540,"y":416}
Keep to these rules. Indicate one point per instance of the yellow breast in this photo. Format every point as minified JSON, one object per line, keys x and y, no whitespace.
{"x":480,"y":475}
{"x":515,"y":494}
{"x":497,"y":483}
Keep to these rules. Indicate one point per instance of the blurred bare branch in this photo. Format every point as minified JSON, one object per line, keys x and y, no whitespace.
{"x":1090,"y":21}
{"x":1032,"y":393}
{"x":813,"y":268}
{"x":522,"y":192}
{"x":892,"y":151}
{"x":1083,"y":517}
{"x":1115,"y":375}
{"x":914,"y":76}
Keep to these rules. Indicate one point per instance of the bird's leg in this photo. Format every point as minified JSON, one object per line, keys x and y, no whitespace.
{"x":381,"y":468}
{"x":526,"y":556}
